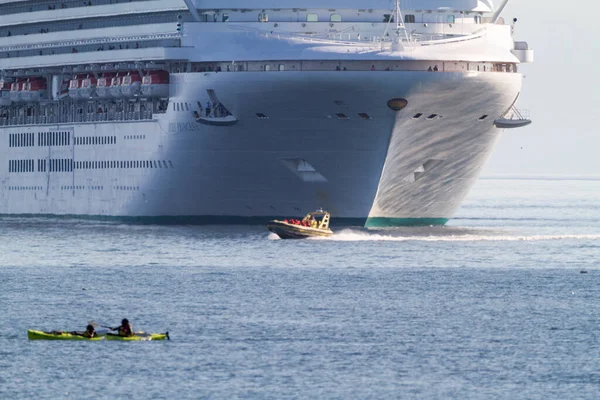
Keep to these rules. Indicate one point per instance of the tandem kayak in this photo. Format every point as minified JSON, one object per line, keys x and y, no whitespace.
{"x":139,"y":336}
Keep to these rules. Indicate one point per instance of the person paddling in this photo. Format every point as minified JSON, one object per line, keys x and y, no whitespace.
{"x":125,"y":329}
{"x":90,"y":332}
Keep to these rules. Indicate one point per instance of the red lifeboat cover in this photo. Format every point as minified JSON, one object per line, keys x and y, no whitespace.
{"x":156,"y":78}
{"x":18,"y":85}
{"x":5,"y":85}
{"x":76,"y":82}
{"x":36,"y":84}
{"x":89,"y":81}
{"x":106,"y":80}
{"x":131,"y":78}
{"x":116,"y":81}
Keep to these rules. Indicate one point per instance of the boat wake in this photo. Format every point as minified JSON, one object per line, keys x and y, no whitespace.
{"x":455,"y":235}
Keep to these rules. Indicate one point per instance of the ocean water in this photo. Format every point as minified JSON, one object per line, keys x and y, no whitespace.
{"x":500,"y":304}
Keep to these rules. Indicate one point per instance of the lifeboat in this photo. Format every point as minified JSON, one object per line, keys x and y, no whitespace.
{"x":130,"y":84}
{"x":34,"y":89}
{"x":104,"y":84}
{"x":87,"y":89}
{"x":314,"y":224}
{"x":156,"y":84}
{"x":5,"y":92}
{"x":16,"y":90}
{"x":115,"y":85}
{"x":74,"y":86}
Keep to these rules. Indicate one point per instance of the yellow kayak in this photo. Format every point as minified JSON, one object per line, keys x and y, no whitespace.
{"x":139,"y":336}
{"x":39,"y":335}
{"x":60,"y":335}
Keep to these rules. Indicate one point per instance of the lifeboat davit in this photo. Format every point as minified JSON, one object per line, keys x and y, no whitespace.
{"x":115,"y":86}
{"x":156,"y":84}
{"x":130,"y":84}
{"x":87,"y":89}
{"x":34,"y":89}
{"x":74,"y":86}
{"x":5,"y":92}
{"x":104,"y":84}
{"x":16,"y":90}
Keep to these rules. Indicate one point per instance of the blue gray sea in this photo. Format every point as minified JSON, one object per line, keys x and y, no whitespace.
{"x":502,"y":303}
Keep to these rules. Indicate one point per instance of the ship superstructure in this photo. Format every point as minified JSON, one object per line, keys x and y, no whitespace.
{"x":227,"y":111}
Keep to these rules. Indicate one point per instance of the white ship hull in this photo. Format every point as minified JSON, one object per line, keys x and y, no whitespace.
{"x":245,"y":172}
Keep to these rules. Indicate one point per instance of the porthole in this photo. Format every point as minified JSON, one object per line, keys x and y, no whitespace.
{"x":397,"y":104}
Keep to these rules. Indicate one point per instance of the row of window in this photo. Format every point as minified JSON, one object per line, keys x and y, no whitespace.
{"x":54,"y":139}
{"x":264,"y":17}
{"x":123,"y":164}
{"x":61,"y":139}
{"x":76,"y":187}
{"x":134,"y":137}
{"x":22,"y":188}
{"x":86,"y":140}
{"x":20,"y":166}
{"x":21,"y":140}
{"x":68,"y":165}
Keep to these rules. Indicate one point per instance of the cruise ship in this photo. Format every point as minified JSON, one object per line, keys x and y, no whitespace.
{"x":382,"y":112}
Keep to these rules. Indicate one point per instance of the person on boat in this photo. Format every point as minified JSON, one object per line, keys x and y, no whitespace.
{"x":89,"y":332}
{"x":125,"y":329}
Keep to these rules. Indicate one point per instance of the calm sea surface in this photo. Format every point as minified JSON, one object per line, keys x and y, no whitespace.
{"x":494,"y":305}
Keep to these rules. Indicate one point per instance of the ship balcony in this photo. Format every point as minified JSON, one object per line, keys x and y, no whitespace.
{"x":523,"y":52}
{"x":514,"y":118}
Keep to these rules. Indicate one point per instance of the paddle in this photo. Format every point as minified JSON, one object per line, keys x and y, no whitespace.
{"x":96,"y":325}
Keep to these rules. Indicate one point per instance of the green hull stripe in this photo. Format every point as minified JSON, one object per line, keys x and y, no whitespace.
{"x":381,"y":222}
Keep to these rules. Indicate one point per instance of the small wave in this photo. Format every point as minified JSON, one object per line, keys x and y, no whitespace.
{"x":273,"y":236}
{"x":349,"y":235}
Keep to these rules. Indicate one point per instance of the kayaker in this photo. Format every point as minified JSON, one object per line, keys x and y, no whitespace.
{"x":90,"y":332}
{"x":125,"y":329}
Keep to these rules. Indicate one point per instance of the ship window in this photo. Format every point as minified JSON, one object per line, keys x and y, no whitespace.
{"x":335,"y":18}
{"x":281,"y":67}
{"x":388,"y":18}
{"x":171,"y":164}
{"x":483,"y":117}
{"x":409,"y":19}
{"x":225,"y":17}
{"x":261,"y":116}
{"x":432,"y":116}
{"x":342,"y":116}
{"x":165,"y":164}
{"x":364,"y":116}
{"x":451,"y":19}
{"x":263,"y":17}
{"x":417,"y":115}
{"x":477,"y":19}
{"x":311,"y":17}
{"x":267,"y":67}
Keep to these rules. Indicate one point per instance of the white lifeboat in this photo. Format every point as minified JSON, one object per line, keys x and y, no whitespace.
{"x":130,"y":84}
{"x":5,"y":92}
{"x":74,"y":86}
{"x":87,"y":89}
{"x":104,"y":84}
{"x":34,"y":89}
{"x":115,"y":86}
{"x":16,"y":90}
{"x":156,"y":84}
